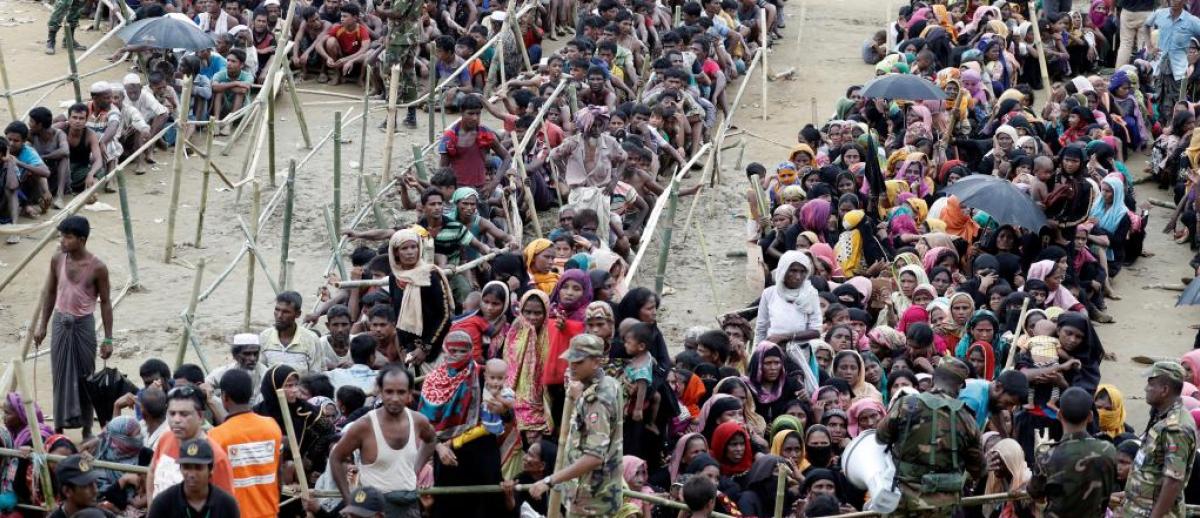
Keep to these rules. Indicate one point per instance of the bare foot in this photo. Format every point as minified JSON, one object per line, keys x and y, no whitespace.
{"x":323,"y":78}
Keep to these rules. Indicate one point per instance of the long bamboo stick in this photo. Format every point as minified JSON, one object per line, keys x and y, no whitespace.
{"x":28,"y":399}
{"x":252,"y":246}
{"x":652,"y":220}
{"x":290,"y":85}
{"x":554,"y":508}
{"x":204,"y":190}
{"x":334,"y":245}
{"x":69,"y":43}
{"x":286,"y":238}
{"x":127,"y":226}
{"x":448,"y":270}
{"x":293,"y":444}
{"x":373,"y":194}
{"x":1012,"y":353}
{"x":362,"y":144}
{"x":190,"y":313}
{"x":337,"y":171}
{"x":660,"y":276}
{"x":270,"y":136}
{"x":177,"y":178}
{"x":762,"y":38}
{"x":1041,"y":48}
{"x":781,"y":474}
{"x":389,"y":138}
{"x":12,"y":107}
{"x":254,"y":207}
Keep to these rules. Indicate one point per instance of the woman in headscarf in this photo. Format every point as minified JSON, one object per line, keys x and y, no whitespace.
{"x":759,"y":488}
{"x":960,"y":308}
{"x":451,"y":398}
{"x":421,"y":301}
{"x":686,"y":449}
{"x":719,"y":409}
{"x":865,"y":414}
{"x":537,"y":462}
{"x":488,"y":325}
{"x":17,"y":421}
{"x":789,"y":444}
{"x":314,"y":435}
{"x":983,"y":326}
{"x":958,"y":222}
{"x":539,"y":263}
{"x":525,"y":351}
{"x":571,"y":295}
{"x":848,"y":365}
{"x":120,"y":443}
{"x":633,"y":471}
{"x":1112,"y":225}
{"x":814,"y":217}
{"x":615,"y":265}
{"x":509,"y":268}
{"x":981,"y":358}
{"x":1110,"y":405}
{"x":731,"y":448}
{"x":789,"y":311}
{"x":738,"y":388}
{"x":772,"y":380}
{"x":907,"y":280}
{"x":1010,"y":475}
{"x":641,"y":304}
{"x":857,"y":247}
{"x":1058,"y":295}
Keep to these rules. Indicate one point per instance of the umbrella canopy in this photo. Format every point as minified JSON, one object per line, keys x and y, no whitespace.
{"x":998,"y":197}
{"x":902,"y":86}
{"x":167,"y":32}
{"x":1191,"y":294}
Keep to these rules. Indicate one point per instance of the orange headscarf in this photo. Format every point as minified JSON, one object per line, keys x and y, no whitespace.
{"x":942,"y":15}
{"x":958,"y":223}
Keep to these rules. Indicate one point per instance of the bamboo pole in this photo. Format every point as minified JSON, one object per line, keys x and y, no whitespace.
{"x":254,"y":204}
{"x":762,"y":38}
{"x":335,"y":245}
{"x":389,"y":139}
{"x":28,"y":399}
{"x":781,"y":474}
{"x":433,"y":90}
{"x":373,"y":194}
{"x":362,"y":144}
{"x":554,"y":508}
{"x":34,"y":322}
{"x":448,"y":270}
{"x":190,"y":313}
{"x":204,"y":190}
{"x":655,"y":213}
{"x":185,"y":105}
{"x":301,"y":474}
{"x":252,"y":246}
{"x":1012,"y":353}
{"x":127,"y":226}
{"x":660,"y":275}
{"x":419,"y":163}
{"x":270,"y":135}
{"x":337,"y":172}
{"x":1041,"y":48}
{"x":69,"y":43}
{"x":290,"y":86}
{"x":254,"y":115}
{"x":288,"y":206}
{"x":37,"y":86}
{"x":12,"y":108}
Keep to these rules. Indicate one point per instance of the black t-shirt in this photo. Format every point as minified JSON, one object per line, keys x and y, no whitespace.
{"x":1136,"y":5}
{"x":60,"y":513}
{"x":173,"y":504}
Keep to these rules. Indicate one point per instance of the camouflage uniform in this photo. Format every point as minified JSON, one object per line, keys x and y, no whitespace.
{"x":1075,"y":475}
{"x":71,"y":9}
{"x":1168,"y":450}
{"x":933,"y":439}
{"x":596,"y":429}
{"x":402,"y":46}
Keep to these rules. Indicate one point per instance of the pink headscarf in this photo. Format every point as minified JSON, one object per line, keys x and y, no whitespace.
{"x":814,"y":216}
{"x":857,"y":408}
{"x":917,"y":16}
{"x":924,"y":113}
{"x":1099,"y":17}
{"x":630,"y":465}
{"x":824,"y":252}
{"x":863,"y":286}
{"x":1191,"y":360}
{"x":677,"y":456}
{"x":1061,"y":297}
{"x":931,"y":257}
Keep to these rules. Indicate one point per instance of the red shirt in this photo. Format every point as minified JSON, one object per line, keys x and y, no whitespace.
{"x":350,"y":41}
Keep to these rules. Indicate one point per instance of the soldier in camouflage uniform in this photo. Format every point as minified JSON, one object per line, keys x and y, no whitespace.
{"x":592,"y":478}
{"x":70,"y":9}
{"x":1077,"y":474}
{"x":933,"y":439}
{"x":1162,"y":466}
{"x":404,"y":29}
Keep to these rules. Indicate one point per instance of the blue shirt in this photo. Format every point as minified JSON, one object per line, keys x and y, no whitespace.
{"x":29,"y":157}
{"x":216,"y":63}
{"x":1173,"y":37}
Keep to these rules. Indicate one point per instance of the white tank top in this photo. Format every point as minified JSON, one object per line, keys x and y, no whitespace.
{"x":393,"y":470}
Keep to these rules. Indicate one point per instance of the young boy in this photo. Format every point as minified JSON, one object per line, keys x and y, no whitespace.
{"x":1043,"y":171}
{"x":700,"y":495}
{"x":347,"y":43}
{"x":16,"y":166}
{"x":233,"y":84}
{"x":493,"y":390}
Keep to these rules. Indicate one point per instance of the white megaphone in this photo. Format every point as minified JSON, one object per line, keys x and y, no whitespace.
{"x":868,"y":465}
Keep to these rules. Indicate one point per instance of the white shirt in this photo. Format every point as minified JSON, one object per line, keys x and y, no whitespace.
{"x":148,"y":105}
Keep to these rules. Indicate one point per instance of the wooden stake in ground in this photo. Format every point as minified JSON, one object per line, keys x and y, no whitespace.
{"x":204,"y":188}
{"x":660,"y":275}
{"x":337,"y":173}
{"x":12,"y":108}
{"x":389,"y":138}
{"x":762,"y":38}
{"x":419,"y":163}
{"x":372,"y":195}
{"x":255,"y":207}
{"x":185,"y":105}
{"x":362,"y":143}
{"x":431,"y":102}
{"x":1041,"y":48}
{"x":190,"y":314}
{"x":69,"y":43}
{"x":336,"y":253}
{"x":288,"y":206}
{"x":29,"y":399}
{"x":127,"y":226}
{"x":293,"y":444}
{"x":554,"y":508}
{"x":290,"y":84}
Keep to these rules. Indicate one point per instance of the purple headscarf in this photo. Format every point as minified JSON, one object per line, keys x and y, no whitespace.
{"x":814,"y":215}
{"x":576,"y":310}
{"x":24,"y":436}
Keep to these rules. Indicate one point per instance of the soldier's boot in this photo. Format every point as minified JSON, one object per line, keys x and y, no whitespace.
{"x":50,"y":41}
{"x":410,"y":120}
{"x":78,"y":47}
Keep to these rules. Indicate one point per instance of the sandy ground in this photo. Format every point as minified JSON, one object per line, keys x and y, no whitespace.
{"x":822,"y":43}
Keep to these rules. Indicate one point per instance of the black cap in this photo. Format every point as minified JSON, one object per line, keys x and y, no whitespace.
{"x":195,"y":451}
{"x":76,"y":471}
{"x":364,"y":501}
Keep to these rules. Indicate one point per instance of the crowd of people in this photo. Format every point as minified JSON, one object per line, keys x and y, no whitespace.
{"x":891,"y":311}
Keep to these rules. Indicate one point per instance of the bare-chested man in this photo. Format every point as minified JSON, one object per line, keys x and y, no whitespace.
{"x":77,"y":278}
{"x":393,"y":444}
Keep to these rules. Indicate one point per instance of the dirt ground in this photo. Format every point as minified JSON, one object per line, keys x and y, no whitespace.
{"x":822,"y":43}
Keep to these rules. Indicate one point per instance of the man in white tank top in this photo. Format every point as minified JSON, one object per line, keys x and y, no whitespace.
{"x":393,"y":443}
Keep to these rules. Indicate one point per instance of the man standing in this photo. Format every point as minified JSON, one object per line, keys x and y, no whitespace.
{"x":246,"y":349}
{"x":185,"y":415}
{"x":934,"y":444}
{"x":1162,"y":466}
{"x":592,"y":161}
{"x":76,"y":480}
{"x":1176,"y":27}
{"x":593,"y":472}
{"x":386,"y":441}
{"x":195,"y":495}
{"x":404,"y":39}
{"x":253,"y":444}
{"x":77,"y":278}
{"x":1077,"y":474}
{"x":70,"y":9}
{"x":1134,"y":35}
{"x":287,"y":343}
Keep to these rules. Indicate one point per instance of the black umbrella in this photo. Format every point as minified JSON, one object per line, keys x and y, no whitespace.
{"x":167,"y":32}
{"x":904,"y":87}
{"x":998,"y":197}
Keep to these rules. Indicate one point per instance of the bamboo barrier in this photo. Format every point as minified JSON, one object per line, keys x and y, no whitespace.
{"x":290,"y":85}
{"x":554,"y":507}
{"x":127,"y":226}
{"x":664,"y":251}
{"x":286,"y":238}
{"x":652,"y":222}
{"x":390,"y":124}
{"x":293,"y":444}
{"x":252,"y":246}
{"x":333,"y":243}
{"x":762,"y":38}
{"x":12,"y":108}
{"x":362,"y":142}
{"x":190,"y":313}
{"x":69,"y":43}
{"x":337,"y":171}
{"x":177,"y":178}
{"x":204,"y":190}
{"x":448,"y":270}
{"x":519,"y":156}
{"x":255,"y":205}
{"x":28,"y":399}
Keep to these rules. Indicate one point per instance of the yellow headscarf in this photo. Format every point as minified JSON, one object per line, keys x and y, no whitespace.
{"x":802,"y":148}
{"x":920,"y":209}
{"x":935,"y":225}
{"x":942,"y":15}
{"x":849,"y":245}
{"x":541,"y":281}
{"x":1112,"y":422}
{"x":1193,"y":149}
{"x":777,"y":446}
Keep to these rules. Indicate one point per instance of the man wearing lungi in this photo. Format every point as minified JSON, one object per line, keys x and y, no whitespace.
{"x":77,"y":278}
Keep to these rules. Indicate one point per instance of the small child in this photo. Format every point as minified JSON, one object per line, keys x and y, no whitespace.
{"x":1043,"y":170}
{"x":700,"y":495}
{"x":875,"y":48}
{"x":639,"y":374}
{"x":493,"y":384}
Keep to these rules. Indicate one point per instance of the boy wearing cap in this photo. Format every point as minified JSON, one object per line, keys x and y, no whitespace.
{"x":1164,"y":463}
{"x":196,"y":496}
{"x":594,"y":453}
{"x":76,"y":479}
